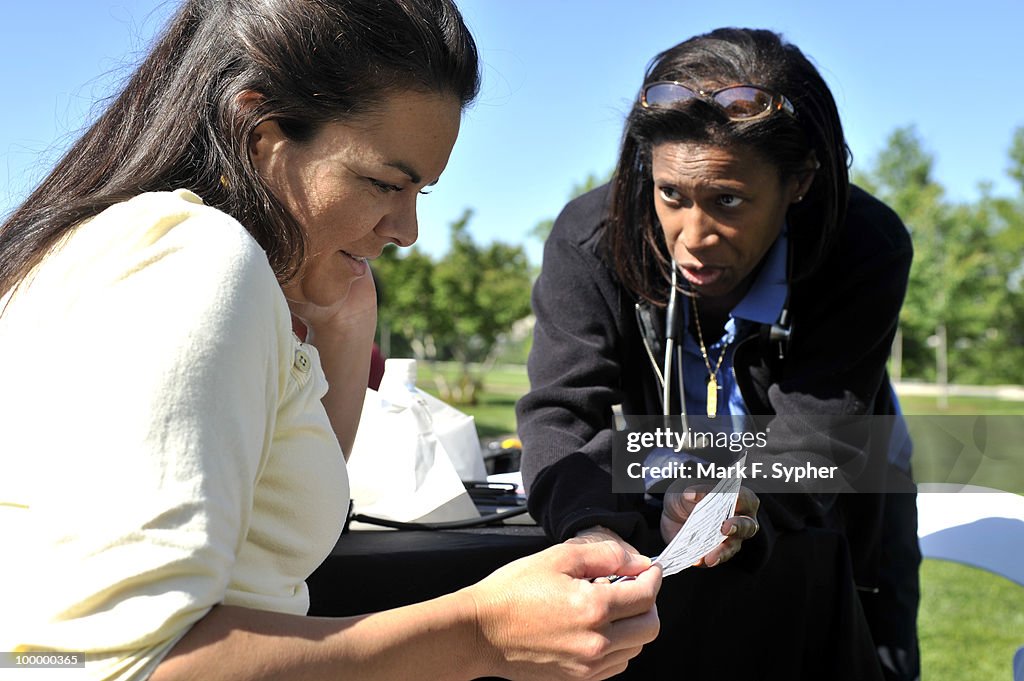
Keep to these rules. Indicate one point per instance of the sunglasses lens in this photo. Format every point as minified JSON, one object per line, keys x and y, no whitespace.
{"x":743,"y":102}
{"x":739,"y":102}
{"x":667,"y":94}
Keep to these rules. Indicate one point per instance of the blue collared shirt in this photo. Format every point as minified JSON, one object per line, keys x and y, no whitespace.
{"x":761,"y":305}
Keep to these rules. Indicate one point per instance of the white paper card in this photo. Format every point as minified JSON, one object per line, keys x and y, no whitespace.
{"x":702,"y":531}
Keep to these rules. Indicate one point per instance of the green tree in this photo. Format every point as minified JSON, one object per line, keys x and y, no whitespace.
{"x":902,"y":177}
{"x":483,"y":291}
{"x":407,"y":319}
{"x":462,"y":306}
{"x":950,"y":323}
{"x":1006,"y":217}
{"x":1016,"y":169}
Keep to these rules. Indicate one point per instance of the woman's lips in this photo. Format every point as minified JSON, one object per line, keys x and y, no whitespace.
{"x":358,"y":264}
{"x":702,"y":276}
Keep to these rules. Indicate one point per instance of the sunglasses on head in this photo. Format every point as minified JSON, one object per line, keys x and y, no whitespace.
{"x":739,"y":102}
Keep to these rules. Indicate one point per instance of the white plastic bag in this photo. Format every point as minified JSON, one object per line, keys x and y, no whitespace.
{"x":401,"y":467}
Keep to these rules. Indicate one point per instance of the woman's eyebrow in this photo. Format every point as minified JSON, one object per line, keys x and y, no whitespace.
{"x":415,"y":177}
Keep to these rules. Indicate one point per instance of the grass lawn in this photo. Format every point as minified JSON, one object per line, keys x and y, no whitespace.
{"x":971,"y":621}
{"x":922,"y":404}
{"x":495,"y":411}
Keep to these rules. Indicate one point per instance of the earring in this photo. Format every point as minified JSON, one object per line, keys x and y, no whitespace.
{"x":798,"y":199}
{"x":224,"y":181}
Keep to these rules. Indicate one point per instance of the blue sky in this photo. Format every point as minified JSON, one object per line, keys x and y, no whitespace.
{"x":559,"y":76}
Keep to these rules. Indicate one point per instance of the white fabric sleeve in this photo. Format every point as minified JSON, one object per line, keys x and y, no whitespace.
{"x":140,"y":413}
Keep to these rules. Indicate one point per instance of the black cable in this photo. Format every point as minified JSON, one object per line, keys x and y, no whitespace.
{"x":450,"y":525}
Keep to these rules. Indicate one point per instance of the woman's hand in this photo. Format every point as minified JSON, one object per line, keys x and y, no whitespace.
{"x":357,"y":309}
{"x":542,"y":617}
{"x":743,"y":525}
{"x":342,"y":332}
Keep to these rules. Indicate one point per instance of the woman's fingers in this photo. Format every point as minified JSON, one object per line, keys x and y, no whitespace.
{"x":634,"y":597}
{"x":741,"y":527}
{"x":633,"y":632}
{"x":747,"y":502}
{"x":545,"y":619}
{"x":589,"y":560}
{"x":737,"y":529}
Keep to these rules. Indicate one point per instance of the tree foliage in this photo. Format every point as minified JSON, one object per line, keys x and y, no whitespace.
{"x":965,"y":282}
{"x":460,"y":307}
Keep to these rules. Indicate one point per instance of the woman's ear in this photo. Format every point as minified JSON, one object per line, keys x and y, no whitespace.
{"x":266,"y":144}
{"x":805,"y":178}
{"x":265,"y":139}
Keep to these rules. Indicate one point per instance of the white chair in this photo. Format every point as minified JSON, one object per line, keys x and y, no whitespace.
{"x":976,"y":526}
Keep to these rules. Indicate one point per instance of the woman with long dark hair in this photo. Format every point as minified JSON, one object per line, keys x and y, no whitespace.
{"x":730,"y":273}
{"x":166,"y":491}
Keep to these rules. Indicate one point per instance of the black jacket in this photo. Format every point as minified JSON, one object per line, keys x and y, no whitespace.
{"x":589,"y":353}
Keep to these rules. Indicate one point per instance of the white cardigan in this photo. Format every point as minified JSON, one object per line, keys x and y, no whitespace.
{"x":163,"y":447}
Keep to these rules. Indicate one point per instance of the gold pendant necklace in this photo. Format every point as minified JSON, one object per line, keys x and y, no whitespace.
{"x":712,"y":404}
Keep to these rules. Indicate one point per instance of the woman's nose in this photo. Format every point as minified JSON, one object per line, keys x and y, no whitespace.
{"x":401,"y":225}
{"x":697,"y":230}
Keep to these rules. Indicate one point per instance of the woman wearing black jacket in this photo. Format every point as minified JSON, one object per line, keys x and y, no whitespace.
{"x":732,"y":188}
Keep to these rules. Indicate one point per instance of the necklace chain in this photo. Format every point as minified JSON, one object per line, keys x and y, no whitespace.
{"x":712,"y":396}
{"x":703,"y":348}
